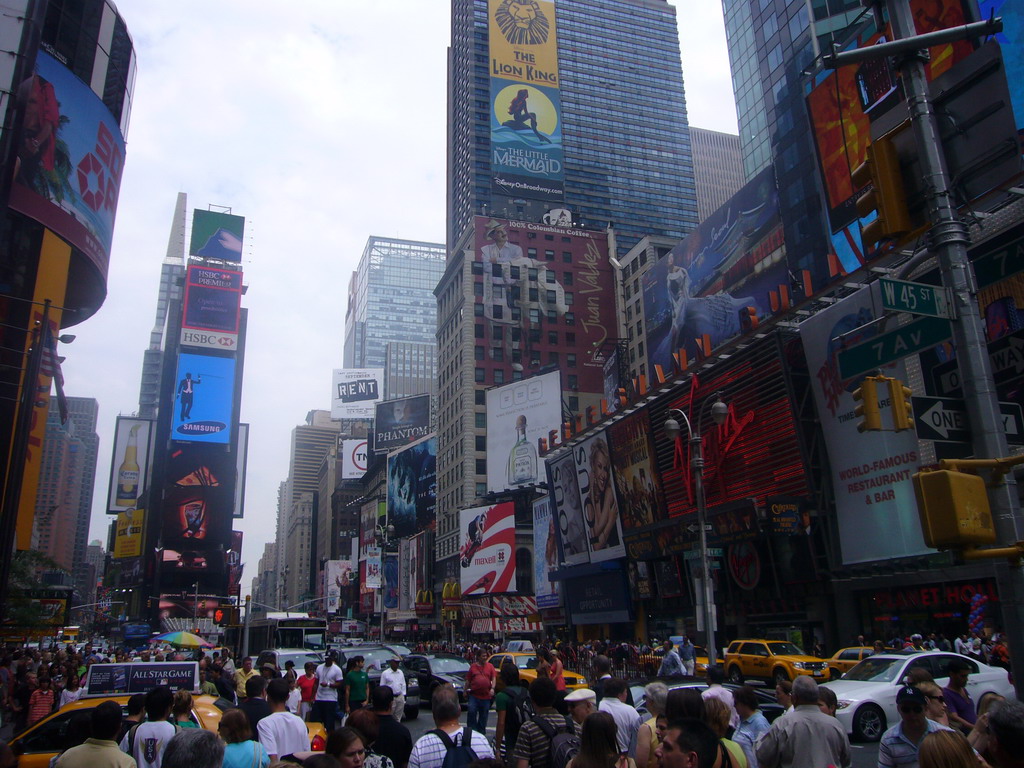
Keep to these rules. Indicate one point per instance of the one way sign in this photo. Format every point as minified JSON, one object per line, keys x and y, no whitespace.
{"x":945,"y":419}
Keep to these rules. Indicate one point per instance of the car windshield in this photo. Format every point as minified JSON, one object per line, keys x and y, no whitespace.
{"x":449,"y":666}
{"x":876,"y":670}
{"x":784,"y":649}
{"x":299,"y":659}
{"x":373,"y":658}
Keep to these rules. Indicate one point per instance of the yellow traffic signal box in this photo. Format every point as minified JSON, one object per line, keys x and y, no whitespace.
{"x":954,"y":509}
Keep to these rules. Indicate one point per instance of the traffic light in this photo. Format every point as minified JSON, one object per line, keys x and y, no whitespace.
{"x":954,"y":510}
{"x":867,"y":395}
{"x":887,"y":195}
{"x":902,"y":409}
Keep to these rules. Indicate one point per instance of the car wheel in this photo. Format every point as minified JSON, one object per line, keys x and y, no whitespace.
{"x":779,"y":676}
{"x":735,"y":675}
{"x":869,"y":723}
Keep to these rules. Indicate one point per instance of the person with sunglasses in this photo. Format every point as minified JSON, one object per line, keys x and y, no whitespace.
{"x":899,"y":745}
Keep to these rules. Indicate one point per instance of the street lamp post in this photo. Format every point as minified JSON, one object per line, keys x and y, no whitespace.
{"x":384,"y":534}
{"x":719,"y":412}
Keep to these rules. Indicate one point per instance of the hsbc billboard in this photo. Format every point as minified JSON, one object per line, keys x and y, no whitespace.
{"x":213,"y":299}
{"x":209,"y":339}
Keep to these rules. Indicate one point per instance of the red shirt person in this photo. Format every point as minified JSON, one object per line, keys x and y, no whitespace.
{"x":480,"y":682}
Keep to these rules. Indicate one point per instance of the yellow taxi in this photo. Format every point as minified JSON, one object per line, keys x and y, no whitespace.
{"x":772,"y":661}
{"x":527,"y":665}
{"x":49,"y":737}
{"x":650,"y":663}
{"x":845,"y":659}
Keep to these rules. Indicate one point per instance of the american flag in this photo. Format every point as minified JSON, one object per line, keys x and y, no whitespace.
{"x":49,"y":365}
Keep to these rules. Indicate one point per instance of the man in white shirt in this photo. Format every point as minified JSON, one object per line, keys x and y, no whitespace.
{"x":281,"y":733}
{"x":147,"y":741}
{"x":394,"y":678}
{"x":430,"y":750}
{"x":329,"y":678}
{"x":627,"y":719}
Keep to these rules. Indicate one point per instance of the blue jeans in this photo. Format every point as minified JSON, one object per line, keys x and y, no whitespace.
{"x":477,"y":717}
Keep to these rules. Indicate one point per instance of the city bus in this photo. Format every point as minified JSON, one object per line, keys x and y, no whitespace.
{"x":287,"y":630}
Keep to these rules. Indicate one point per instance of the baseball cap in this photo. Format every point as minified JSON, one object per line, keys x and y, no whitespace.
{"x":581,"y":694}
{"x":909,"y":693}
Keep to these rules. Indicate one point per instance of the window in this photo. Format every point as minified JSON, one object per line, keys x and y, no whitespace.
{"x":532,"y":273}
{"x":478,"y":331}
{"x":567,"y":278}
{"x":552,"y":337}
{"x":551,"y":297}
{"x":479,"y":397}
{"x":574,"y":381}
{"x":553,"y":358}
{"x":499,"y":311}
{"x":567,"y":257}
{"x":478,"y":353}
{"x":477,"y":268}
{"x":480,"y":441}
{"x":569,"y":296}
{"x":570,"y":318}
{"x":574,"y":403}
{"x":478,"y":289}
{"x":570,"y":359}
{"x":498,"y":354}
{"x":535,"y":317}
{"x":481,"y":489}
{"x":480,"y":419}
{"x":481,"y":466}
{"x":534,"y":295}
{"x":549,"y":255}
{"x":549,"y":276}
{"x":478,"y":375}
{"x":570,"y":339}
{"x":478,"y":310}
{"x":497,"y":332}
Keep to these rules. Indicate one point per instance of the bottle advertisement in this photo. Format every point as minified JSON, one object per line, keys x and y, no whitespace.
{"x":130,"y":463}
{"x":518,"y":414}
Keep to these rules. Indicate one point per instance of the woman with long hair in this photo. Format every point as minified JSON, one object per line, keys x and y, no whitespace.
{"x":598,"y":747}
{"x":935,"y":702}
{"x":717,"y":715}
{"x":241,"y":750}
{"x":684,"y":702}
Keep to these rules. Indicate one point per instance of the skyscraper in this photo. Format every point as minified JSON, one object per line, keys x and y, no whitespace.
{"x":391,"y":299}
{"x":298,"y":500}
{"x":717,"y":168}
{"x":770,"y":46}
{"x":616,"y":105}
{"x":170,"y":292}
{"x":66,"y":478}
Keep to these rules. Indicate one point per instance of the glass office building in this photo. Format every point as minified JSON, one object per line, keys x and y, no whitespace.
{"x":391,"y":299}
{"x":627,"y":158}
{"x":771,"y":43}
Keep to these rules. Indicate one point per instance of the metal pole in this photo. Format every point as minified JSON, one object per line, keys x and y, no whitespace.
{"x":697,"y":466}
{"x":949,"y":242}
{"x":245,"y":626}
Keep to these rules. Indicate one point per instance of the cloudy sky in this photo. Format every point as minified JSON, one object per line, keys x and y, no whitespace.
{"x":322,"y":125}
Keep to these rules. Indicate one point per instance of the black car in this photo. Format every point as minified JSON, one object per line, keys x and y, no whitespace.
{"x":375,"y":661}
{"x":434,"y":669}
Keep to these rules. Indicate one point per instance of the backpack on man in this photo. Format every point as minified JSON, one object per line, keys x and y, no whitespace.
{"x":457,"y":755}
{"x":520,"y":710}
{"x":564,"y":744}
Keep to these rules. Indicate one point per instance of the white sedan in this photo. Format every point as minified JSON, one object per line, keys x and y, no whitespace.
{"x":867,"y":693}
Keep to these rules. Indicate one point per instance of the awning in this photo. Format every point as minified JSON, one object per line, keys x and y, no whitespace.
{"x":507,"y":624}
